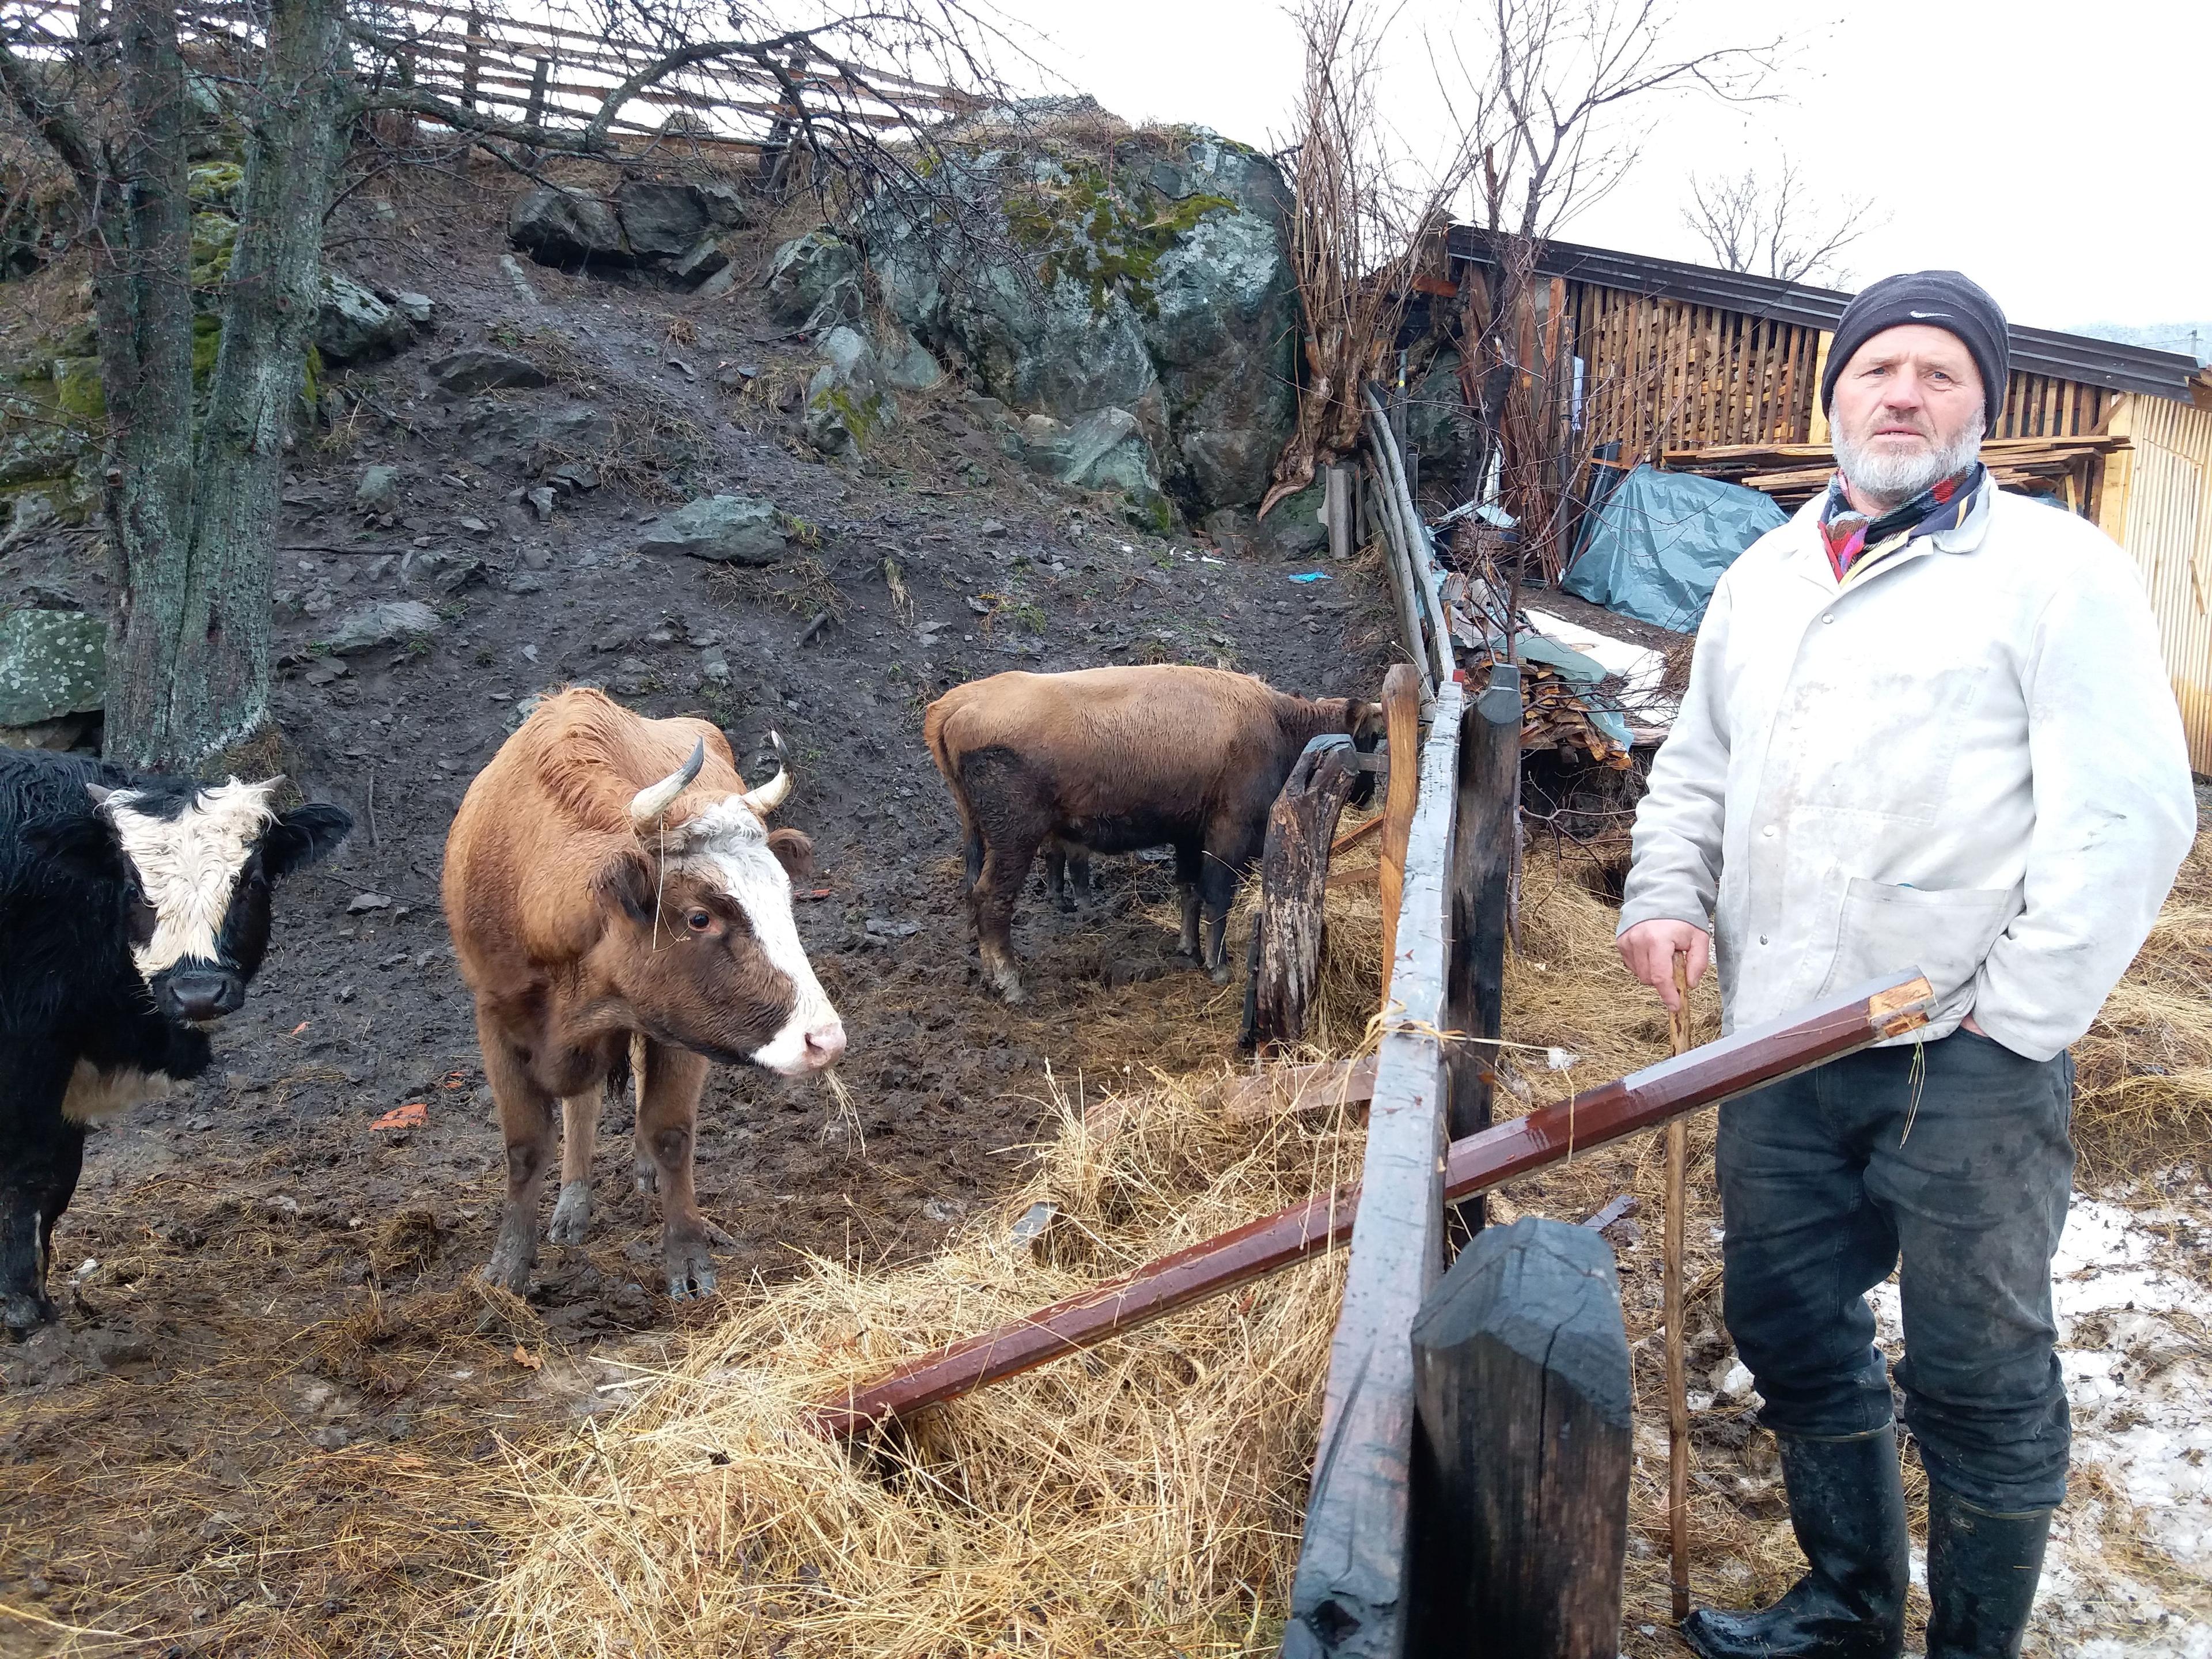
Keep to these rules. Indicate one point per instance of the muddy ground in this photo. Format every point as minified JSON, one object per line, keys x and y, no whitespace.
{"x":264,"y":1295}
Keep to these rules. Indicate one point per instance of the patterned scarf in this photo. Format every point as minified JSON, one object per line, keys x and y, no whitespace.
{"x":1847,"y":532}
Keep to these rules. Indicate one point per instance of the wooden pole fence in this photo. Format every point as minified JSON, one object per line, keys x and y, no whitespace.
{"x":1720,"y":1071}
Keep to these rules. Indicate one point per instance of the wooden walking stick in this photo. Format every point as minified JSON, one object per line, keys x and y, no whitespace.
{"x":1678,"y":1399}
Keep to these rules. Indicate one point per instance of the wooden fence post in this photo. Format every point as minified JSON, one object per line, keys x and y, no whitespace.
{"x":472,"y":59}
{"x":534,"y":117}
{"x":1336,"y":510}
{"x":1401,"y":715}
{"x":1520,"y":1383}
{"x":1293,"y":881}
{"x":1482,"y":865}
{"x":1351,"y":1598}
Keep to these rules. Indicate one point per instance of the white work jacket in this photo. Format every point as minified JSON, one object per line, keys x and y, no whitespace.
{"x":1965,"y":759}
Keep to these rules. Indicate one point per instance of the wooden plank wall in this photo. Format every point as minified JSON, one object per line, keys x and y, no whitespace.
{"x":2164,"y":518}
{"x":2044,"y":406}
{"x":1666,"y":375}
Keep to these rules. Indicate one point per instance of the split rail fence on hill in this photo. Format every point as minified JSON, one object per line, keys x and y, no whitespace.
{"x":537,"y":70}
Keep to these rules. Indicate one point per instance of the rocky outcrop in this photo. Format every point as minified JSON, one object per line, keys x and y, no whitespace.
{"x":1104,"y":450}
{"x":1149,"y":276}
{"x":846,"y":401}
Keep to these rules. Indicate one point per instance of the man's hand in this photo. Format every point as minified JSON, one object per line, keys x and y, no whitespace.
{"x":1650,"y":949}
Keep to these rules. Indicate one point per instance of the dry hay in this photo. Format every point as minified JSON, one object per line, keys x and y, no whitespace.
{"x":1151,"y":1490}
{"x":1147,"y":1495}
{"x":2143,"y":1095}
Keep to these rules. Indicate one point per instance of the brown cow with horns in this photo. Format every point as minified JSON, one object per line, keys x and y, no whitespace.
{"x":619,"y":904}
{"x":1110,"y":760}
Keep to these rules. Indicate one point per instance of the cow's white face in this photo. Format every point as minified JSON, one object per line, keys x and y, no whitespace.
{"x":726,"y":846}
{"x":189,"y":852}
{"x":201,"y":860}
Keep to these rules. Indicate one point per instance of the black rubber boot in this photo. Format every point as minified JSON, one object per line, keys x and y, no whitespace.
{"x":1847,"y":1508}
{"x":1983,"y":1568}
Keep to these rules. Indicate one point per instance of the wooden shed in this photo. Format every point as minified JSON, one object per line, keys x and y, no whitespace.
{"x":1705,"y":370}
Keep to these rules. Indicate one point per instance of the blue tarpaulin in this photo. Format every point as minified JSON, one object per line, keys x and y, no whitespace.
{"x":1654,"y":548}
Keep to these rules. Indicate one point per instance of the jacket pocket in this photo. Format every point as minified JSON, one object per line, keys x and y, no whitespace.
{"x":1945,"y":934}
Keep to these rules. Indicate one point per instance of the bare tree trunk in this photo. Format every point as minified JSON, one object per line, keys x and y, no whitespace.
{"x":188,"y":674}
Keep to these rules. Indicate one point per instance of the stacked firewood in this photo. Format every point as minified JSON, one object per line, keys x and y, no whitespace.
{"x":1794,"y":473}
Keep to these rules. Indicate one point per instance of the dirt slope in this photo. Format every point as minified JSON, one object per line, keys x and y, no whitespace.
{"x":278,"y":1288}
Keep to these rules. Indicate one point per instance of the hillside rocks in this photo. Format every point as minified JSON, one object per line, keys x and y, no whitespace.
{"x":721,"y":529}
{"x":565,"y":228}
{"x":845,"y":405}
{"x":53,"y":663}
{"x":1104,"y":450}
{"x":355,"y":324}
{"x":484,"y":368}
{"x":814,"y":282}
{"x":390,"y":621}
{"x":1150,"y":276}
{"x":670,"y":228}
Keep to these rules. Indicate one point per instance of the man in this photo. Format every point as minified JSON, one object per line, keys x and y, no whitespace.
{"x":1926,"y":727}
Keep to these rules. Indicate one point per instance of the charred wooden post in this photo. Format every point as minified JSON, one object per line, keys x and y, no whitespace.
{"x":1293,"y":883}
{"x":1521,"y":1373}
{"x":1352,"y":1594}
{"x":1402,"y":715}
{"x":1482,"y":868}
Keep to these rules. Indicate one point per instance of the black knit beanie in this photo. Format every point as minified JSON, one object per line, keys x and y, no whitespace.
{"x":1940,"y":299}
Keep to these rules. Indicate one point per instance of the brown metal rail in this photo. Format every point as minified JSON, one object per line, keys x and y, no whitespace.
{"x":1704,"y":1077}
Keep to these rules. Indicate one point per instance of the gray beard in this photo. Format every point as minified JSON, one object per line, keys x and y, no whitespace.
{"x":1894,"y":480}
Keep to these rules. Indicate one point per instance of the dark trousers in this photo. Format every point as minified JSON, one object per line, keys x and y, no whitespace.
{"x":1951,"y":1162}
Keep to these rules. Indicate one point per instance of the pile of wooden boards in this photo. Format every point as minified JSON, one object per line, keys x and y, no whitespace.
{"x":1793,"y":474}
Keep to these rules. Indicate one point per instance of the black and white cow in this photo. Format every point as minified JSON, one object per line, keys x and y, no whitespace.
{"x":133,"y":910}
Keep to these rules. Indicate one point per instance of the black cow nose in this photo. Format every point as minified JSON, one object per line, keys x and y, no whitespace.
{"x":205,"y":996}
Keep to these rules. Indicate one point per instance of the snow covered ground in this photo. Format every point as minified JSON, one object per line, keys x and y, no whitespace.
{"x":2129,"y":1573}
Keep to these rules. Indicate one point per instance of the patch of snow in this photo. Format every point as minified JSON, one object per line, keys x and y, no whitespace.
{"x":1639,"y":666}
{"x":2139,"y":1380}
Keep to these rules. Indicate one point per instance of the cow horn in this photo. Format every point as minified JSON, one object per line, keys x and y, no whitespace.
{"x":650,"y":802}
{"x":771,"y":794}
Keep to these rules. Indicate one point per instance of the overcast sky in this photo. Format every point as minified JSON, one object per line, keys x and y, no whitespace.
{"x":2059,"y":154}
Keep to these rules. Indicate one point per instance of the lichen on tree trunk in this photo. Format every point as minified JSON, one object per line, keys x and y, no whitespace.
{"x":193,"y":512}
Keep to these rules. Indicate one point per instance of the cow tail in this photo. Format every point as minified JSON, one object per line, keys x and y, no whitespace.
{"x":637,"y":1073}
{"x":933,"y":733}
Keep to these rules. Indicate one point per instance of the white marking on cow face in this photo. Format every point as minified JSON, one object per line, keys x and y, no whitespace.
{"x":188,"y":866}
{"x":94,"y":1094}
{"x":729,"y":840}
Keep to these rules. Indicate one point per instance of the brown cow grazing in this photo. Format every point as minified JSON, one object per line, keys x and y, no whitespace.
{"x":619,"y":906}
{"x":1110,"y":760}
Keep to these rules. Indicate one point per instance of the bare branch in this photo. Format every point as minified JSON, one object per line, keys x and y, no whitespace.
{"x":1751,"y":224}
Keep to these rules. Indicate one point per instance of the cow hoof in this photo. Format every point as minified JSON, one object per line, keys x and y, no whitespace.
{"x":25,"y":1313}
{"x":509,"y":1267}
{"x":572,"y":1216}
{"x":690,"y":1272}
{"x":1219,"y":972}
{"x":1067,"y":906}
{"x":1014,"y":993}
{"x":648,"y":1176}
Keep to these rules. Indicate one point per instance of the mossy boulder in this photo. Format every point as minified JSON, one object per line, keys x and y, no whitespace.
{"x":1151,"y":276}
{"x":847,"y":404}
